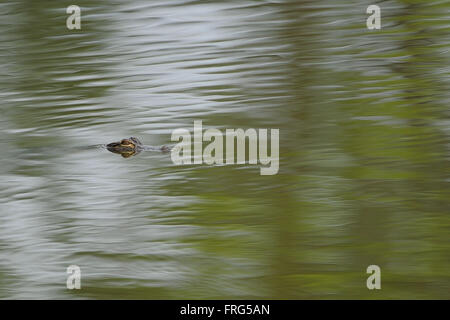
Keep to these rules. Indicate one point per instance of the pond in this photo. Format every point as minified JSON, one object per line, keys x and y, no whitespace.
{"x":364,"y":150}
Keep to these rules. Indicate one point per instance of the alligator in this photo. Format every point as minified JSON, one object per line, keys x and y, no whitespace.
{"x":132,"y":146}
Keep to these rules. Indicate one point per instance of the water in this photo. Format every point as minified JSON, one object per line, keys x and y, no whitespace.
{"x":364,"y":149}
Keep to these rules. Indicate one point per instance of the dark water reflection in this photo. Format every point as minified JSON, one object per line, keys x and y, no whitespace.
{"x":364,"y":149}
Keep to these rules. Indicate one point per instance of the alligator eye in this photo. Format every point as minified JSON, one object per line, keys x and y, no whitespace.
{"x":124,"y":141}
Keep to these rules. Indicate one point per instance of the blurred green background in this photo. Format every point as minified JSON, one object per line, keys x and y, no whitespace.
{"x":364,"y":149}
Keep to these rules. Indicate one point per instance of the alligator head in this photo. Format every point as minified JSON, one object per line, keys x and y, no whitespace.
{"x":126,"y":147}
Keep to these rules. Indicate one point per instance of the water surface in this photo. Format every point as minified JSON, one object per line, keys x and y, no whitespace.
{"x":364,"y":149}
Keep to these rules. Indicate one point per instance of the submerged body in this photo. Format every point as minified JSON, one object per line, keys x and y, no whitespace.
{"x":132,"y":146}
